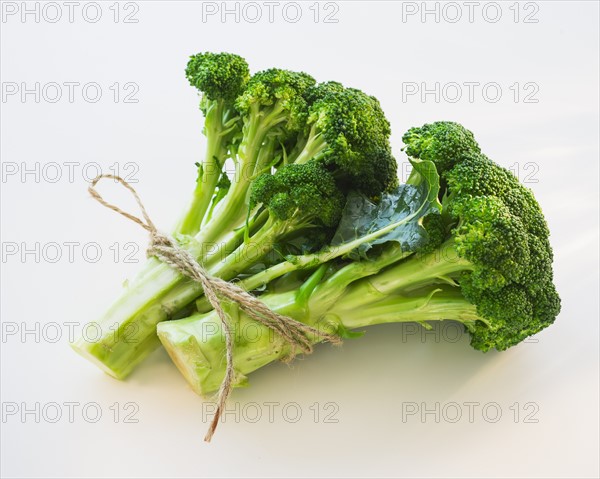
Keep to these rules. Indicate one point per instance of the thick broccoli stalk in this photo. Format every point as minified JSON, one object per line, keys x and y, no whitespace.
{"x":220,"y":78}
{"x":197,"y":346}
{"x":487,"y":264}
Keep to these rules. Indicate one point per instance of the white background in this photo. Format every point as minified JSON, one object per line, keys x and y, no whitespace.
{"x":370,"y":381}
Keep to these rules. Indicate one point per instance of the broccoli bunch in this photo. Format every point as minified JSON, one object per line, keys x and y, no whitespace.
{"x":312,"y":218}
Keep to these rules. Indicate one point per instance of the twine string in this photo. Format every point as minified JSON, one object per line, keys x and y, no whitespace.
{"x":295,"y":333}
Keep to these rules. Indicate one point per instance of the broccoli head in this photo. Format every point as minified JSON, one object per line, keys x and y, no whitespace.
{"x":283,"y":91}
{"x":501,"y":231}
{"x":304,"y":193}
{"x":348,"y":132}
{"x":353,"y":124}
{"x":218,"y":75}
{"x":443,"y":142}
{"x":323,"y":89}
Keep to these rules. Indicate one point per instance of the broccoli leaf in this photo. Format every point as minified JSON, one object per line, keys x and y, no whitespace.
{"x":406,"y":205}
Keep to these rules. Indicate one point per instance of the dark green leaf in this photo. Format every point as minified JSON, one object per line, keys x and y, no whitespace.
{"x":397,"y":216}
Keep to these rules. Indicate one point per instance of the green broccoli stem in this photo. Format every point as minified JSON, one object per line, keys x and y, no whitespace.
{"x":441,"y":266}
{"x":397,"y":286}
{"x":215,"y":253}
{"x":308,"y":261}
{"x":335,"y":285}
{"x":315,"y":145}
{"x":122,"y":338}
{"x":433,"y":304}
{"x":124,"y":335}
{"x":254,"y":248}
{"x":210,"y":171}
{"x":197,"y":346}
{"x":254,"y":154}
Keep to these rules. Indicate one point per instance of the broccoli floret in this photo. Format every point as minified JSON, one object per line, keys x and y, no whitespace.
{"x":436,"y":231}
{"x":489,"y":236}
{"x":318,"y":92}
{"x":307,"y":192}
{"x":499,"y":228}
{"x":348,"y":131}
{"x":219,"y":76}
{"x":499,"y":242}
{"x":351,"y":119}
{"x":507,"y":242}
{"x":282,"y":92}
{"x":273,"y":110}
{"x":302,"y":202}
{"x":352,"y":124}
{"x":379,"y":174}
{"x":443,"y":142}
{"x":477,"y":175}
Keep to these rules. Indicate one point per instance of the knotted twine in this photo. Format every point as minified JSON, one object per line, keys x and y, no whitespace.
{"x":165,"y":248}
